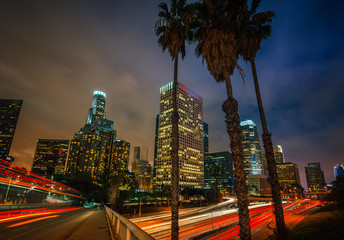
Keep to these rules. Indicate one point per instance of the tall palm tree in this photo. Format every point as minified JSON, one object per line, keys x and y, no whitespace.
{"x":218,"y":23}
{"x":173,"y":30}
{"x":256,"y":27}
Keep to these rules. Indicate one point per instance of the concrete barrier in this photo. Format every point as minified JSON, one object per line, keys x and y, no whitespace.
{"x":123,"y":229}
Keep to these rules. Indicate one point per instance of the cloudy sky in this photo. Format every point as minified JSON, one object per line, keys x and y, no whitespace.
{"x":54,"y":54}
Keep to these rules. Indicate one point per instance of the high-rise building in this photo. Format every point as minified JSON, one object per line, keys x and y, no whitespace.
{"x":191,"y":141}
{"x":144,"y":174}
{"x":251,"y":147}
{"x":206,"y":137}
{"x":278,"y":156}
{"x":140,"y":153}
{"x":315,"y":177}
{"x":9,"y":114}
{"x":338,"y":170}
{"x":50,"y":157}
{"x":92,"y":146}
{"x":289,"y":179}
{"x":156,"y":143}
{"x":120,"y":156}
{"x":218,"y":171}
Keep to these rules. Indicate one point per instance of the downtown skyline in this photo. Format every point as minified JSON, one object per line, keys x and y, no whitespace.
{"x":54,"y":55}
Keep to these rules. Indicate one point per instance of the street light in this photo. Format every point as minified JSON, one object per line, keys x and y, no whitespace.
{"x":8,"y":188}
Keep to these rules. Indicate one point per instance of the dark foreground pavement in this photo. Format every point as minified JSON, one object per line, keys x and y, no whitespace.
{"x":72,"y":225}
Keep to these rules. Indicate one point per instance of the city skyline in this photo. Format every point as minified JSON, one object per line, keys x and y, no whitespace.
{"x":54,"y":55}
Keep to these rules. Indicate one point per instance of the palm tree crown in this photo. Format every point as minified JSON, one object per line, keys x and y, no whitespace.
{"x":173,"y":27}
{"x":256,"y":27}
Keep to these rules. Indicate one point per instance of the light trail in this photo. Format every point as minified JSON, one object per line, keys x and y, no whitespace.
{"x":32,"y":220}
{"x":37,"y":214}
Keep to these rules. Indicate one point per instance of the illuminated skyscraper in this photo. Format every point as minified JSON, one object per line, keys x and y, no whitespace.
{"x":9,"y":114}
{"x":191,"y":141}
{"x":315,"y":177}
{"x":120,"y":156}
{"x":206,"y":137}
{"x":278,"y":156}
{"x":251,"y":146}
{"x":92,"y":146}
{"x":338,"y":170}
{"x":50,"y":157}
{"x":218,"y":171}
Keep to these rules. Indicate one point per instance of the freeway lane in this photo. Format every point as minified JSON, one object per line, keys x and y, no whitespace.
{"x":71,"y":225}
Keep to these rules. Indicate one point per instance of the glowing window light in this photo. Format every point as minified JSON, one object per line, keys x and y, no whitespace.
{"x":99,"y":93}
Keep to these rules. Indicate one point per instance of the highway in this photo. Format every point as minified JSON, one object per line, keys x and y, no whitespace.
{"x":70,"y":223}
{"x":262,"y":220}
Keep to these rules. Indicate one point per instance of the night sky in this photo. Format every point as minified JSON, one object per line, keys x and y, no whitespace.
{"x":54,"y":54}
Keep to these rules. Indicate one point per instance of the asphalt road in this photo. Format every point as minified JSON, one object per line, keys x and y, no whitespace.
{"x":70,"y":225}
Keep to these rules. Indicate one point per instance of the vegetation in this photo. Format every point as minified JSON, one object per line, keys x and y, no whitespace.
{"x":173,"y":30}
{"x":256,"y":27}
{"x":218,"y":28}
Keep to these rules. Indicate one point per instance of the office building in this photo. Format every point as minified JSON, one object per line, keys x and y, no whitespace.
{"x":278,"y":156}
{"x":258,"y":185}
{"x":338,"y":171}
{"x":206,"y":137}
{"x":120,"y":156}
{"x":9,"y":114}
{"x":50,"y":157}
{"x":315,"y":177}
{"x":144,"y":175}
{"x":191,"y":140}
{"x":289,"y":179}
{"x":92,"y":146}
{"x":156,"y":143}
{"x":218,"y":171}
{"x":251,"y":148}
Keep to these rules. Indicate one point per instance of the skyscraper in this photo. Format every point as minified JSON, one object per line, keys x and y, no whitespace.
{"x":278,"y":156}
{"x":289,"y":179}
{"x":206,"y":137}
{"x":140,"y":153}
{"x":156,"y":142}
{"x":251,"y":148}
{"x":92,"y":146}
{"x":50,"y":157}
{"x":191,"y":141}
{"x":338,"y":170}
{"x":315,"y":177}
{"x":218,"y":171}
{"x":120,"y":156}
{"x":9,"y":114}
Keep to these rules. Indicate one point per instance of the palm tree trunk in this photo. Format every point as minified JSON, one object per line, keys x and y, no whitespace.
{"x":175,"y":158}
{"x":230,"y":107}
{"x":282,"y":232}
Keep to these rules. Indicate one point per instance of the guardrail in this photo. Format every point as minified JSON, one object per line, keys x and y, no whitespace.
{"x":123,"y":229}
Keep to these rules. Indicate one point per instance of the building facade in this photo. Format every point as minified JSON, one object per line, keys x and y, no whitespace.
{"x":289,"y":179}
{"x":120,"y":156}
{"x":50,"y":157}
{"x":206,"y":137}
{"x":92,"y":146}
{"x":251,"y":148}
{"x":315,"y":177}
{"x":9,"y":114}
{"x":218,"y":171}
{"x":338,"y":171}
{"x":191,"y":141}
{"x":278,"y":156}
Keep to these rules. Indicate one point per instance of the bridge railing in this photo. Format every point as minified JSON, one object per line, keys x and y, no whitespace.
{"x":123,"y":229}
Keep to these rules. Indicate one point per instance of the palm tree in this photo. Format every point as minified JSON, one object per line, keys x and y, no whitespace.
{"x":173,"y":30}
{"x":218,"y":23}
{"x":256,"y":27}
